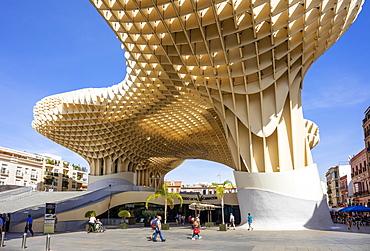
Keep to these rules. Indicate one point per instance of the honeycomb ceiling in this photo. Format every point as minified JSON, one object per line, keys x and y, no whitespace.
{"x":207,"y":79}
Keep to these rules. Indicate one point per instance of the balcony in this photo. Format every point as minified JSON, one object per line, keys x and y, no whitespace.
{"x":5,"y":172}
{"x":80,"y":169}
{"x":362,"y":194}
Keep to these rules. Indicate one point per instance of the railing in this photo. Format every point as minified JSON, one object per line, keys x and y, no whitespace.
{"x":362,"y":193}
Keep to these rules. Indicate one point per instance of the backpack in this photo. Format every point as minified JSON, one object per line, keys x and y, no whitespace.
{"x":154,"y":222}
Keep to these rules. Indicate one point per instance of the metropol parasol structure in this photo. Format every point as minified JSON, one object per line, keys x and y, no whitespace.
{"x":218,"y":80}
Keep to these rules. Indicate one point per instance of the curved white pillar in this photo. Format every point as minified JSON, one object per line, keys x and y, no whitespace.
{"x":286,"y":200}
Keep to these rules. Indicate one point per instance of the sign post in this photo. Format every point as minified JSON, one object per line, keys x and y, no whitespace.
{"x":50,"y":218}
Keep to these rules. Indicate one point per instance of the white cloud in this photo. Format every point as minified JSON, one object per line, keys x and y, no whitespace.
{"x":339,"y":92}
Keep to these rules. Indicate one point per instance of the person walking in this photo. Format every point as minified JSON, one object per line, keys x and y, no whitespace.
{"x":232,"y":221}
{"x":250,"y":219}
{"x":7,"y":223}
{"x":55,"y":223}
{"x":196,"y":231}
{"x":28,"y":227}
{"x":158,"y":230}
{"x":153,"y":224}
{"x":197,"y":219}
{"x":1,"y":224}
{"x":349,"y":221}
{"x":358,"y":220}
{"x":92,"y":221}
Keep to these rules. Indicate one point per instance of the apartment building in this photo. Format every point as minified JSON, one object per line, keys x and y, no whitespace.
{"x":20,"y":168}
{"x":333,"y":176}
{"x":44,"y":172}
{"x":60,"y":175}
{"x":202,"y":188}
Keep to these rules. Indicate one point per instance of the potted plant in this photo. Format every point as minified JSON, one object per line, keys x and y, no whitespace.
{"x":124,"y":214}
{"x":88,"y":215}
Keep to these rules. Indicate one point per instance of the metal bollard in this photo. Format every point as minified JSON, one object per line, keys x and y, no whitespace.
{"x":48,"y":242}
{"x":2,"y":239}
{"x":24,"y":241}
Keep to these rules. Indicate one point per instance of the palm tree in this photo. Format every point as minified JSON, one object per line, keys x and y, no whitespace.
{"x":168,"y":199}
{"x":220,"y":190}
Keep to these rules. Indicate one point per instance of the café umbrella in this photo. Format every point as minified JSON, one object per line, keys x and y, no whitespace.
{"x":355,"y":209}
{"x":202,"y":206}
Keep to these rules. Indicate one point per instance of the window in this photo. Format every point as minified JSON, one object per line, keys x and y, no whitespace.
{"x":357,"y":188}
{"x":19,"y":171}
{"x":33,"y":174}
{"x":26,"y":171}
{"x":4,"y":169}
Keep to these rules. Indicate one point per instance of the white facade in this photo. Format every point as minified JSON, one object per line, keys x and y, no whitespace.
{"x":344,"y":170}
{"x":20,"y":168}
{"x":26,"y":169}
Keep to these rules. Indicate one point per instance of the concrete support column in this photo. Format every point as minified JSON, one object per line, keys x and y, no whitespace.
{"x":284,"y":200}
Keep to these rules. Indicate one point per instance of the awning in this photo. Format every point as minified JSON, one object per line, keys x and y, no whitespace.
{"x":202,"y":206}
{"x":355,"y":209}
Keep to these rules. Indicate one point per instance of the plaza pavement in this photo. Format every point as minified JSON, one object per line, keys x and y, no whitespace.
{"x":179,"y":238}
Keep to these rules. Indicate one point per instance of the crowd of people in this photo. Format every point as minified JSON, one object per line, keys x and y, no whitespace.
{"x":351,"y":219}
{"x":156,"y":225}
{"x":195,"y":225}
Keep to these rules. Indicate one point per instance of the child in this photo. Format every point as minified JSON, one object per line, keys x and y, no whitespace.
{"x":196,"y":231}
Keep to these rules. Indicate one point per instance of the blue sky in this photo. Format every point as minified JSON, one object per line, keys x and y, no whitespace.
{"x":50,"y":47}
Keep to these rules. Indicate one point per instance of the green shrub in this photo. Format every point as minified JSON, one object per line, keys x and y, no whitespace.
{"x":124,"y":214}
{"x":89,"y":213}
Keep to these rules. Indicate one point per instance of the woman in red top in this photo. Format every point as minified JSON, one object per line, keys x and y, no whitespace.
{"x":196,"y":231}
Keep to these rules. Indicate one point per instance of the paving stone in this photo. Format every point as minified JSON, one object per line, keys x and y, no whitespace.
{"x":179,"y":238}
